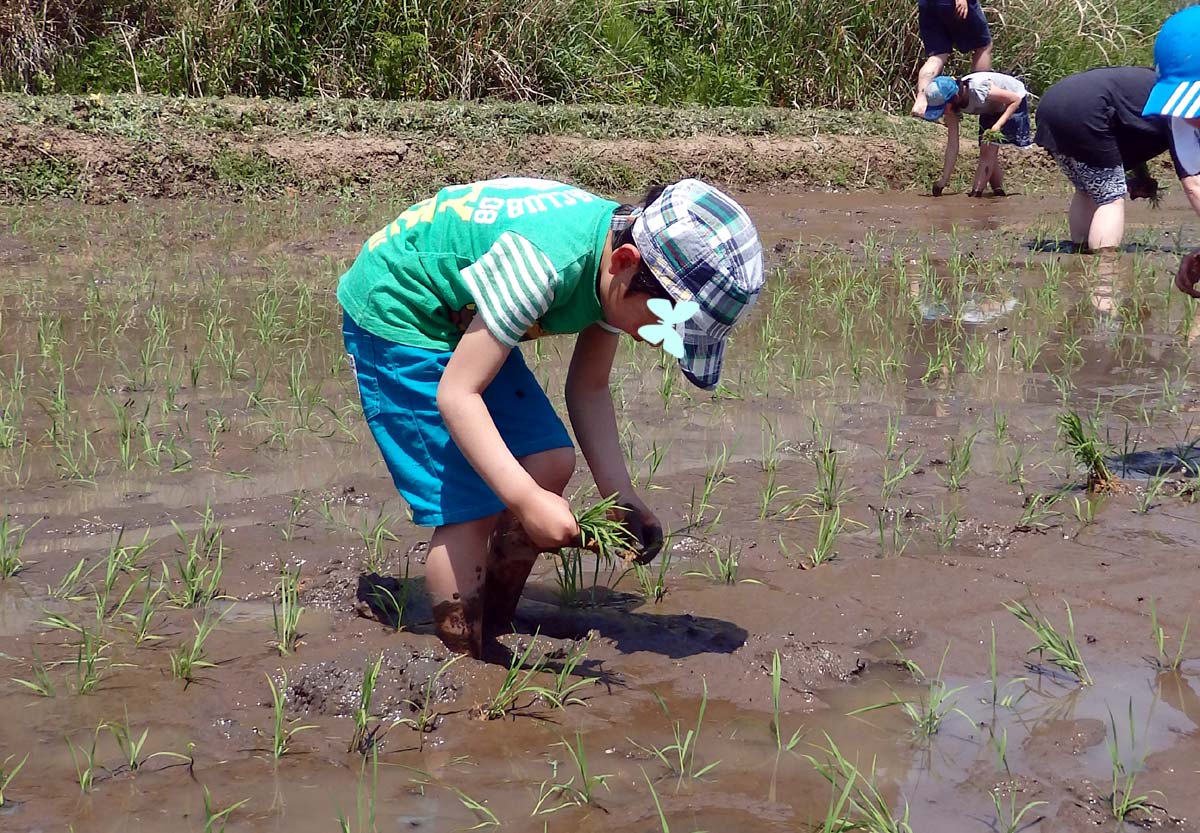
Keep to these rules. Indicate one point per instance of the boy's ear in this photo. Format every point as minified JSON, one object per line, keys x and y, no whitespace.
{"x":626,"y":258}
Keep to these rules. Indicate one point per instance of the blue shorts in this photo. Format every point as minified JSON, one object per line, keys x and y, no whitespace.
{"x":398,"y":385}
{"x":943,"y":31}
{"x":1016,"y":131}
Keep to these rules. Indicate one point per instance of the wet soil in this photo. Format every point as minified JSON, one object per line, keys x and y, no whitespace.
{"x":175,"y":371}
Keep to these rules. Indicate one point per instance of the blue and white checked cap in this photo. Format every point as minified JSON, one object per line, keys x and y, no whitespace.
{"x":702,"y":247}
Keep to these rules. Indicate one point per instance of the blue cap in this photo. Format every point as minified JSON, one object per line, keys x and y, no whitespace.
{"x":1177,"y":61}
{"x":940,"y":90}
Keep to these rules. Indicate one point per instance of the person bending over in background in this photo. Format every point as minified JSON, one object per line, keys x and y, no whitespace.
{"x":945,"y":25}
{"x":1002,"y":104}
{"x":1092,"y":124}
{"x":434,"y":306}
{"x":1176,"y":96}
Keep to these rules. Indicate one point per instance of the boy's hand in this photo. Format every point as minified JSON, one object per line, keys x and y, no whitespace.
{"x":645,"y":528}
{"x":960,"y":8}
{"x":1189,"y":275}
{"x":547,"y":519}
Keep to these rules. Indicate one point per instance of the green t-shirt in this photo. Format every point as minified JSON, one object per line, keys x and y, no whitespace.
{"x":524,"y":253}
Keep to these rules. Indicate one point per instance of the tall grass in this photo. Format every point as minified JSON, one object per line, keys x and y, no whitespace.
{"x":714,"y":52}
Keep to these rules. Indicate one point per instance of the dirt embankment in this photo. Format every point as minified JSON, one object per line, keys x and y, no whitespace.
{"x":103,"y":149}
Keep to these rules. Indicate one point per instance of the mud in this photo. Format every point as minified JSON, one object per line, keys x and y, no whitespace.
{"x":175,"y":370}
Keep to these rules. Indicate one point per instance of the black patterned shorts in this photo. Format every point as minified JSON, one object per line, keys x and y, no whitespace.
{"x":1103,"y":185}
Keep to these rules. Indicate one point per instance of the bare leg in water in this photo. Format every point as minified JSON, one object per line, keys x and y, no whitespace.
{"x":511,"y":555}
{"x":464,"y":586}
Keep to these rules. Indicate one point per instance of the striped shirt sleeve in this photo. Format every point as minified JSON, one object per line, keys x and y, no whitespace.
{"x":513,"y":285}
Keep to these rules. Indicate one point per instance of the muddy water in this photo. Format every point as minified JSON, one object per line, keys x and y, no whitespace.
{"x":175,"y":372}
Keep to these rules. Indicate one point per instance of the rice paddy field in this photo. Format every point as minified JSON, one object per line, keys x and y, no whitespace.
{"x":932,"y":563}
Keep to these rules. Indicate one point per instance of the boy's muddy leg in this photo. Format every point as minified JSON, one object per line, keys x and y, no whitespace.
{"x":455,"y":573}
{"x":510,"y":560}
{"x":511,"y":555}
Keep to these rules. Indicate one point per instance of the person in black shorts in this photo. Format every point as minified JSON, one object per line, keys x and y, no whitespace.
{"x":946,"y":25}
{"x":1092,"y":124}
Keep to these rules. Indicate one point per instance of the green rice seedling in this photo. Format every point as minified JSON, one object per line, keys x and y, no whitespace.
{"x":1124,"y":798}
{"x":282,"y":729}
{"x":975,"y":356}
{"x":89,"y":662}
{"x":895,"y":472}
{"x":890,"y":527}
{"x":1162,"y":660}
{"x":286,"y":613}
{"x":186,"y":660}
{"x":142,"y":621}
{"x":723,"y":568}
{"x":199,"y":569}
{"x":131,"y":745}
{"x":8,"y":773}
{"x":662,"y":817}
{"x":427,"y":716}
{"x":1085,"y":512}
{"x":1009,"y":816}
{"x":486,"y":817}
{"x":214,"y":819}
{"x":772,"y":490}
{"x":518,"y":683}
{"x":365,"y":733}
{"x":296,"y":511}
{"x":653,"y":582}
{"x":12,"y":539}
{"x":1083,"y":441}
{"x":601,"y":533}
{"x":999,"y":744}
{"x":375,"y":537}
{"x":930,"y":712}
{"x":1038,"y":512}
{"x":1057,"y":648}
{"x":827,"y":532}
{"x":1147,"y":495}
{"x":84,"y":759}
{"x":945,"y":528}
{"x":568,"y":793}
{"x":680,"y":756}
{"x":830,"y":492}
{"x":568,"y":574}
{"x":958,"y":460}
{"x":41,"y":684}
{"x":999,"y":426}
{"x":776,"y":719}
{"x":563,"y":686}
{"x":714,"y":476}
{"x":870,"y":811}
{"x":1016,"y":468}
{"x":999,"y":698}
{"x":366,"y":810}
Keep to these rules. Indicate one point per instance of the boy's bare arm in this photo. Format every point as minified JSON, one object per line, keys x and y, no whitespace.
{"x":1009,"y":99}
{"x":951,"y":152}
{"x":476,"y":360}
{"x":590,"y":407}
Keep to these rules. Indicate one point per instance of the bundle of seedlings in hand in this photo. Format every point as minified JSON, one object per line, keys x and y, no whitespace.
{"x":1083,"y":442}
{"x":602,"y":530}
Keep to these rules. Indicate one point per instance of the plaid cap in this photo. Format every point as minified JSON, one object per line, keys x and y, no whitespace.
{"x":702,"y":247}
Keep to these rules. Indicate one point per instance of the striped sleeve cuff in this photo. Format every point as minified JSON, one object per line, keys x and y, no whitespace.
{"x":513,"y":285}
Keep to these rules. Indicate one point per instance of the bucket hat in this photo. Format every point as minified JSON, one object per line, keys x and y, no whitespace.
{"x":940,"y":91}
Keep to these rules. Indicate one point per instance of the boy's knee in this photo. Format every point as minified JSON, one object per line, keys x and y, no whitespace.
{"x":551,"y":469}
